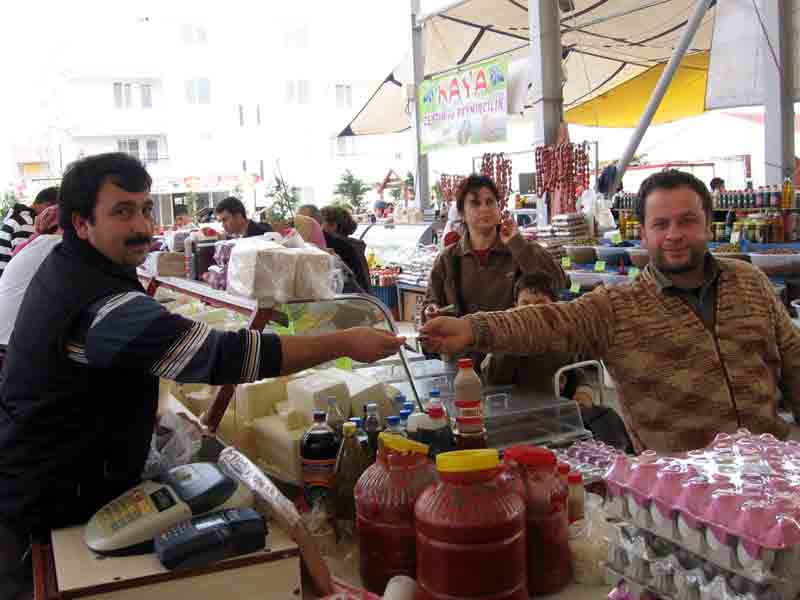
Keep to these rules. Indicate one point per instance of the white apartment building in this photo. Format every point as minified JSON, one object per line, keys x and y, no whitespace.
{"x":212,"y":106}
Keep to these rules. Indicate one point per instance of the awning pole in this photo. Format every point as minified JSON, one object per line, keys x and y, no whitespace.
{"x":421,"y":187}
{"x":692,"y":26}
{"x":546,"y":73}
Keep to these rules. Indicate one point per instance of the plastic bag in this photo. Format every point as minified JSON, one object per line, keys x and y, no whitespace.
{"x":175,"y":442}
{"x":588,"y":542}
{"x":262,"y":269}
{"x":595,"y":205}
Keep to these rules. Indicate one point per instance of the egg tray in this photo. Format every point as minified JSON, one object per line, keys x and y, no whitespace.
{"x":683,"y":576}
{"x":736,"y":502}
{"x":627,"y":590}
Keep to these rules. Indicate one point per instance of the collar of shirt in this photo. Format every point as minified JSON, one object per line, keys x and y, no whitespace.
{"x":465,"y":246}
{"x":710,"y":275}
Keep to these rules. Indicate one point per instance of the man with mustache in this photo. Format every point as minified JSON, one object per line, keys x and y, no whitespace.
{"x":79,"y":387}
{"x":697,"y":344}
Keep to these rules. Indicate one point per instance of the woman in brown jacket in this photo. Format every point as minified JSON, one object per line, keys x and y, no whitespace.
{"x":478,"y":273}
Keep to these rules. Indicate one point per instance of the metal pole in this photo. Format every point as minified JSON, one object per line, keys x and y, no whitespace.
{"x":546,"y":74}
{"x":422,"y":189}
{"x":778,"y":92}
{"x":692,"y":26}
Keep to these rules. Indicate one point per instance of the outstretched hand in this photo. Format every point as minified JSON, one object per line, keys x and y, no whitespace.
{"x":447,"y":335}
{"x":368,"y":345}
{"x":508,"y":229}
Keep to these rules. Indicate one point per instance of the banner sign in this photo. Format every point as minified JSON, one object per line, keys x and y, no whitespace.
{"x":463,"y":107}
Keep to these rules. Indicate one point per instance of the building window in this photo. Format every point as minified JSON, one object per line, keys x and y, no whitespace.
{"x":241,"y":116}
{"x":344,"y":96}
{"x":152,"y":150}
{"x":303,"y":92}
{"x":123,"y":95}
{"x":258,"y":114}
{"x":147,"y":95}
{"x":129,"y":146}
{"x":198,"y":91}
{"x":244,"y":166}
{"x":261,"y":169}
{"x":345,"y":146}
{"x":290,"y":95}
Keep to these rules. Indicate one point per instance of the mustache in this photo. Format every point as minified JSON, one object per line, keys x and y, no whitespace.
{"x":139,"y":240}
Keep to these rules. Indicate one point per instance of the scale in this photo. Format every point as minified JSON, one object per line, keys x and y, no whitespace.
{"x":128,"y":524}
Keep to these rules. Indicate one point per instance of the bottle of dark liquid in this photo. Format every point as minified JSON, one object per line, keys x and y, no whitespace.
{"x":350,"y":464}
{"x":361,"y":435}
{"x":318,"y":450}
{"x":372,"y":425}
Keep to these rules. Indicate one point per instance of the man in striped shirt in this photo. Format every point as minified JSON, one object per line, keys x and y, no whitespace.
{"x":18,"y":224}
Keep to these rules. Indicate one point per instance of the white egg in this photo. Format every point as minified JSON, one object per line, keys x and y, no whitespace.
{"x":713,"y":542}
{"x":747,"y":561}
{"x":691,"y":537}
{"x":659,"y":520}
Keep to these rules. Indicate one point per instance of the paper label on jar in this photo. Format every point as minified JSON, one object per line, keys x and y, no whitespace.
{"x":600,"y":266}
{"x":318,"y":477}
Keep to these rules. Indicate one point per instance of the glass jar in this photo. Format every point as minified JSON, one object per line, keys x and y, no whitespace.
{"x":549,"y":558}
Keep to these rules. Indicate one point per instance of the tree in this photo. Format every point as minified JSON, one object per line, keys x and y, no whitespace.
{"x":284,"y":198}
{"x":352,"y":189}
{"x":395,"y":194}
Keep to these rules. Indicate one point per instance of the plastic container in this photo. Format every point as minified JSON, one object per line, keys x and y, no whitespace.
{"x":385,"y":497}
{"x":393,"y":426}
{"x":360,"y":433}
{"x":639,"y":257}
{"x":549,"y":558}
{"x":467,"y":384}
{"x":577,"y":497}
{"x":581,"y":255}
{"x":434,"y":430}
{"x":372,"y":425}
{"x":612,"y":255}
{"x":470,"y":532}
{"x":775,"y":261}
{"x":350,"y":465}
{"x":318,"y":450}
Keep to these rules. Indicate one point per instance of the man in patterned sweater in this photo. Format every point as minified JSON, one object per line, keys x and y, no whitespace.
{"x":79,"y":386}
{"x":18,"y":224}
{"x":697,"y":344}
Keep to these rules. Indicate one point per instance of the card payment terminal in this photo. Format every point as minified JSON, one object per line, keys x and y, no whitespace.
{"x":128,"y":524}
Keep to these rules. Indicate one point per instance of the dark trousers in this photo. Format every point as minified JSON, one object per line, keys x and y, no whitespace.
{"x":16,"y":578}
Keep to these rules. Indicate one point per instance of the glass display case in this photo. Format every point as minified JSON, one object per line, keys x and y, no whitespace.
{"x":395,"y":244}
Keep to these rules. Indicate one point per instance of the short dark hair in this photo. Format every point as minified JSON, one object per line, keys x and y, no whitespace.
{"x":341,"y":217}
{"x":716,"y":183}
{"x":84,"y":178}
{"x":48,"y":195}
{"x":471,"y":185}
{"x":233,"y":205}
{"x":314,"y":210}
{"x":672,"y":179}
{"x":536,"y":282}
{"x":180,"y":210}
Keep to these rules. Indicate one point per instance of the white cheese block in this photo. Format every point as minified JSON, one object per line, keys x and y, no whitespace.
{"x":313,"y":275}
{"x":235,"y":432}
{"x":311,"y":392}
{"x":258,"y":399}
{"x":263,"y":270}
{"x":294,"y":419}
{"x":278,"y":448}
{"x":364,"y":390}
{"x":197,"y":397}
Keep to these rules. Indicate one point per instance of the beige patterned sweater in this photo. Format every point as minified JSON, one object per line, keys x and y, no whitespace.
{"x":679,"y":383}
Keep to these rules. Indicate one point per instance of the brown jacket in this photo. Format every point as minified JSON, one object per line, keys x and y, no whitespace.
{"x":458,"y":278}
{"x":679,"y":382}
{"x":532,"y":372}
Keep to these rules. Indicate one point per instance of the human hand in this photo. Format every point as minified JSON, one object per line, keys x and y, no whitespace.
{"x":508,"y":229}
{"x":447,"y":335}
{"x":365,"y":344}
{"x":431,"y":312}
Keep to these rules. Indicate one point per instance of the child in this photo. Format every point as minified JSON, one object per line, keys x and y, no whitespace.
{"x":536,"y":372}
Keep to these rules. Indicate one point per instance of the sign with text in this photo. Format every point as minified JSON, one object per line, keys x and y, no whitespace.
{"x":469,"y":106}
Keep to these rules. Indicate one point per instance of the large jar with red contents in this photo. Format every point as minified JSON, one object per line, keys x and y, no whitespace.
{"x":385,"y":496}
{"x":470,"y":532}
{"x":546,"y":495}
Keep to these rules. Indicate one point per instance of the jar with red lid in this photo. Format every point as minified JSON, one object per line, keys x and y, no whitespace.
{"x":470,"y":532}
{"x":545,"y":493}
{"x":385,"y":496}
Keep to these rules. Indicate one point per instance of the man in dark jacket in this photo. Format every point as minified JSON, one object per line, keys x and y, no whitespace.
{"x":79,"y":387}
{"x":234,"y":219}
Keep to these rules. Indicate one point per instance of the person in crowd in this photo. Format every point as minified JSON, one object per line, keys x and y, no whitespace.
{"x":79,"y":387}
{"x":480,"y":271}
{"x":18,"y":224}
{"x":311,"y":210}
{"x":234,"y":219}
{"x":697,"y":344}
{"x":717,"y":184}
{"x":182,"y":217}
{"x":310,"y":231}
{"x":338,"y":226}
{"x":21,"y":269}
{"x":605,"y":182}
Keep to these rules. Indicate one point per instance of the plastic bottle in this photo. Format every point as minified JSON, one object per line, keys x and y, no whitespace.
{"x":435,"y":430}
{"x":351,"y":462}
{"x":467,"y":384}
{"x":385,"y":497}
{"x":788,"y":193}
{"x":577,"y":496}
{"x":399,"y":402}
{"x":361,"y":435}
{"x":372,"y":425}
{"x":404,"y":414}
{"x":409,"y":406}
{"x":318,"y":450}
{"x":393,"y":426}
{"x":545,"y":494}
{"x":335,"y":418}
{"x":470,"y":532}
